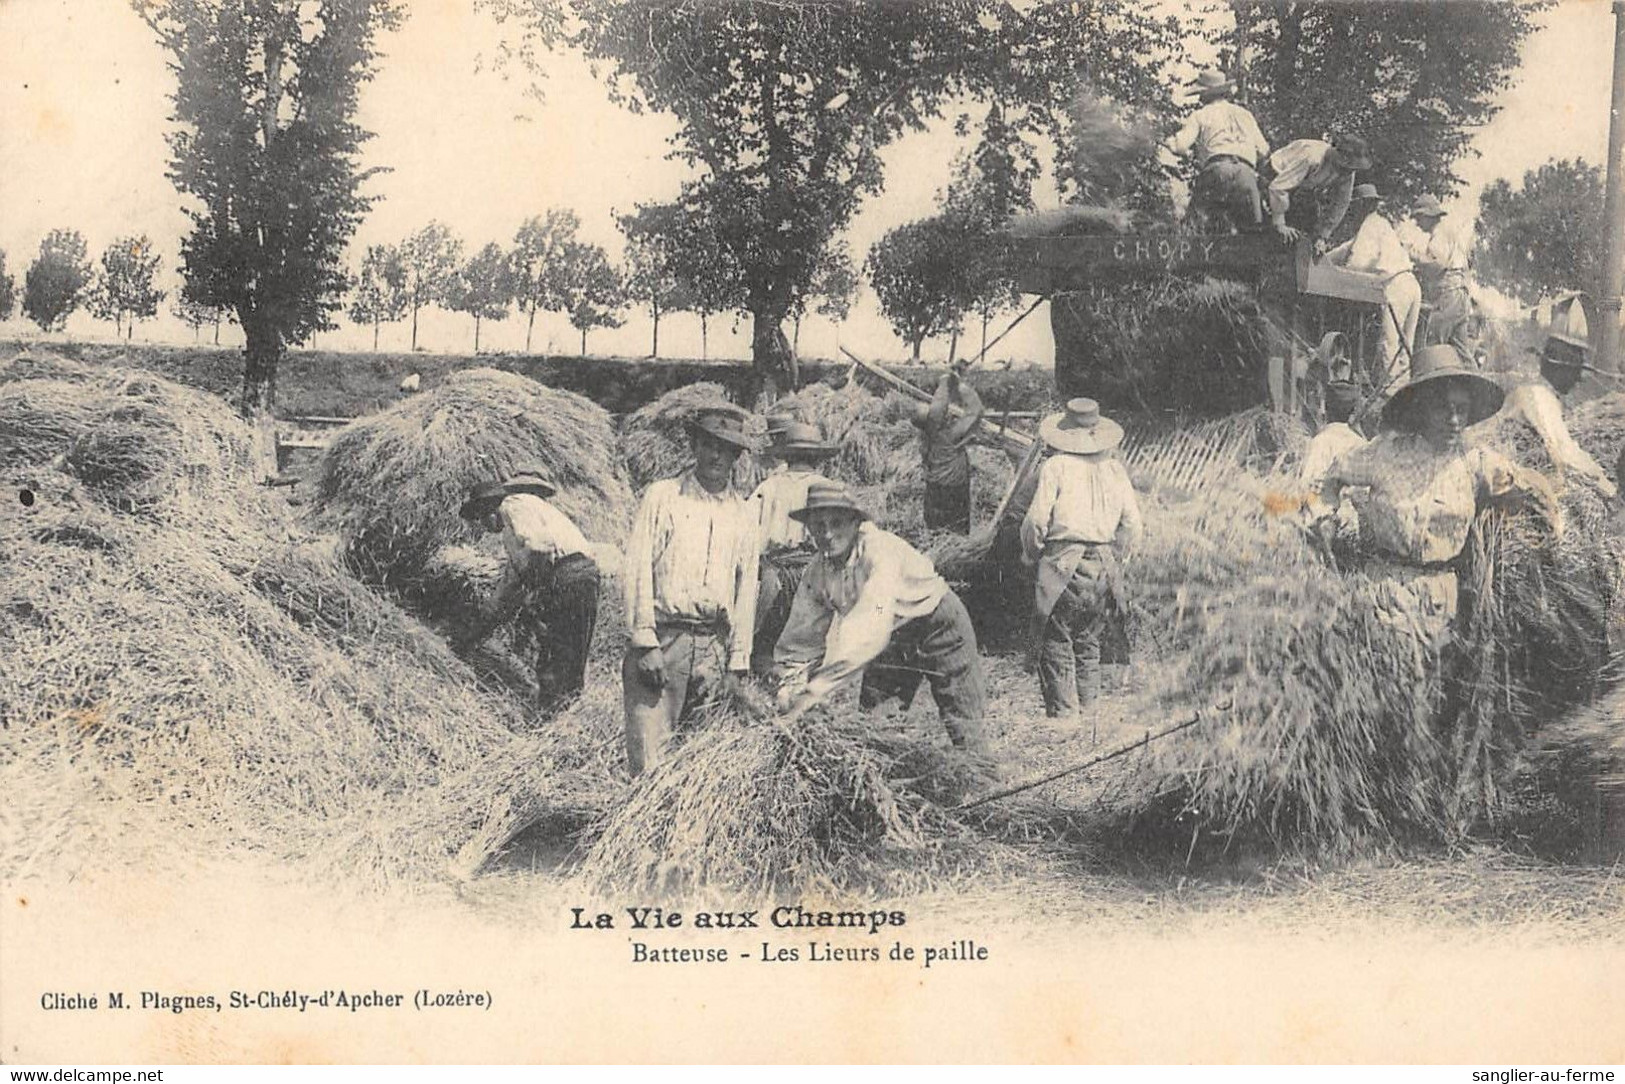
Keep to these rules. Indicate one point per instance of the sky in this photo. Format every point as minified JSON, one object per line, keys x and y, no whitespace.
{"x":84,"y":106}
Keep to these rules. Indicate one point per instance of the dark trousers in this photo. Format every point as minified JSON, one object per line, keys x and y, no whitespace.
{"x":780,"y":577}
{"x":941,"y":648}
{"x":1069,"y":650}
{"x":947,"y":507}
{"x":559,"y":615}
{"x":1450,"y":306}
{"x":1226,"y":191}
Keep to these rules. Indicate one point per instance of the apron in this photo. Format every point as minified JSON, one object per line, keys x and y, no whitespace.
{"x":1055,"y":571}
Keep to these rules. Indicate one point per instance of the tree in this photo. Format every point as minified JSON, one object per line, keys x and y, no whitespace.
{"x":380,"y":289}
{"x":483,"y":288}
{"x":431,"y":257}
{"x":1414,"y":79}
{"x":915,"y":272}
{"x":266,"y":143}
{"x":538,"y":245}
{"x":1544,"y":237}
{"x":654,"y":237}
{"x":57,"y":280}
{"x":707,"y":272}
{"x":124,"y":288}
{"x":783,"y":105}
{"x":8,"y":289}
{"x":833,"y":289}
{"x":588,"y":289}
{"x":989,"y":186}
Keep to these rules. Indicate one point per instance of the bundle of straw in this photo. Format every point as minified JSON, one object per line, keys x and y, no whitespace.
{"x":1112,"y":151}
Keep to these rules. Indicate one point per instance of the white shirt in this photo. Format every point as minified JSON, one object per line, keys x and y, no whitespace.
{"x":1220,"y":127}
{"x":1081,"y":498}
{"x":1375,"y":247}
{"x":782,"y":492}
{"x":533,"y":528}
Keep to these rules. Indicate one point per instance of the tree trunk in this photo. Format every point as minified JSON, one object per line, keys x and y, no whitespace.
{"x":262,"y":354}
{"x":770,"y":354}
{"x":529,"y":326}
{"x":953,"y":344}
{"x":916,"y":345}
{"x":583,"y":342}
{"x":476,"y":335}
{"x":375,"y":336}
{"x":415,"y":307}
{"x":795,"y":340}
{"x":217,"y":329}
{"x":703,"y":346}
{"x":654,"y":347}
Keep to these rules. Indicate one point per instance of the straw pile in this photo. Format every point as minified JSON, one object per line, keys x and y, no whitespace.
{"x":391,"y":483}
{"x":187,"y":673}
{"x":43,"y":366}
{"x":1111,"y":154}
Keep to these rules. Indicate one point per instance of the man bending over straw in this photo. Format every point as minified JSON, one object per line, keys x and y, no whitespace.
{"x":691,"y":567}
{"x":1084,"y":506}
{"x":549,"y":587}
{"x":786,"y":547}
{"x":871,"y":604}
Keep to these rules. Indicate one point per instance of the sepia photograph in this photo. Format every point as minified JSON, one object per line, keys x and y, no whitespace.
{"x":812,"y":531}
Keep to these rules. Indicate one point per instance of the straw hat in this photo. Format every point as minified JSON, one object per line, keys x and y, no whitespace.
{"x":1080,"y":429}
{"x":1211,"y":81}
{"x":802,"y":438}
{"x":1364,"y":191}
{"x":824,"y":495}
{"x":726,"y":424}
{"x":487,"y":495}
{"x":1351,"y":152}
{"x":1427,"y":207}
{"x":1433,"y":369}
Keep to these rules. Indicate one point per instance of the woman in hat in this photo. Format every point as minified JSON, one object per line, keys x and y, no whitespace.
{"x":549,"y":588}
{"x":1425,"y":486}
{"x":1311,"y":185}
{"x":872,"y":605}
{"x":786,"y":548}
{"x":1440,"y":256}
{"x":1377,"y":250}
{"x":1224,"y":141}
{"x":1083,"y":509}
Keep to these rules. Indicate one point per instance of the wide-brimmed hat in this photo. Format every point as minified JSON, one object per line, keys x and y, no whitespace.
{"x":1561,"y":348}
{"x":801,"y":438}
{"x":778,"y":422}
{"x":487,"y":495}
{"x":1427,"y":207}
{"x":727,"y":424}
{"x":827,"y":496}
{"x":1211,"y":81}
{"x":1364,"y":191}
{"x":1350,"y":152}
{"x":1080,"y":429}
{"x":1434,"y":369}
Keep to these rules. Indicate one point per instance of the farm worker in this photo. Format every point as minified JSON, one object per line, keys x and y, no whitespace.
{"x":1563,"y":360}
{"x":1224,"y":141}
{"x":549,"y":587}
{"x":1083,"y":512}
{"x":872,"y":605}
{"x":690,"y":590}
{"x":1311,"y":186}
{"x":1440,"y":254}
{"x":1376,"y":249}
{"x":944,"y":441}
{"x":786,"y":547}
{"x":1425,"y":486}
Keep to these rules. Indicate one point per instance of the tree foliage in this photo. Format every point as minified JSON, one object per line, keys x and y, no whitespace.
{"x":195,"y":314}
{"x":654,"y":257}
{"x":1545,"y":236}
{"x":588,"y":289}
{"x":267,"y":146}
{"x":915,"y":272}
{"x":57,"y":280}
{"x":124,"y":287}
{"x":483,"y":288}
{"x":431,"y":257}
{"x":380,"y":289}
{"x":538,"y":246}
{"x":8,"y":289}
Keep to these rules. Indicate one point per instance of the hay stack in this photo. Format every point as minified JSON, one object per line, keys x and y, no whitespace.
{"x":391,"y":483}
{"x":1598,"y":425}
{"x":43,"y":366}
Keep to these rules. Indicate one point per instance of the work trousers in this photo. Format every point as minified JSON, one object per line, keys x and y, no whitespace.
{"x":780,"y":577}
{"x":1449,"y":307}
{"x":947,"y":507}
{"x":941,"y":648}
{"x":1069,"y":647}
{"x":1226,"y":191}
{"x":558,"y":616}
{"x":1403,"y":295}
{"x":696,"y":661}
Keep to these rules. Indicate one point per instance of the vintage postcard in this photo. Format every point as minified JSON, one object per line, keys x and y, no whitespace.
{"x":644,"y":531}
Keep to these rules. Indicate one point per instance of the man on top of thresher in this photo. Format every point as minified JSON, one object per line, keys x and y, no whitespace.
{"x":1224,"y":141}
{"x":1312,"y":184}
{"x":1440,"y":254}
{"x":786,"y":547}
{"x":691,"y":582}
{"x":1376,"y":249}
{"x":944,"y":441}
{"x":872,"y":605}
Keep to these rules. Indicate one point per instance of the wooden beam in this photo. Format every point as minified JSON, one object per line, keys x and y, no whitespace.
{"x":1020,"y":442}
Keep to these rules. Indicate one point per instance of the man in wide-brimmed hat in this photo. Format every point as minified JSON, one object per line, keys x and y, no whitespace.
{"x":786,"y":548}
{"x":872,"y":605}
{"x":1377,"y":250}
{"x":1223,"y":140}
{"x":1440,"y":255}
{"x":1425,"y":486}
{"x":1564,"y":358}
{"x":1311,"y":184}
{"x":944,"y":443}
{"x":1083,"y":511}
{"x":549,"y":588}
{"x":690,"y":589}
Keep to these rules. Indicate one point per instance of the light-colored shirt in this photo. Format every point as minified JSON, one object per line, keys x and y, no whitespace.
{"x":844,"y":615}
{"x":1538,"y":406}
{"x":1302,"y":165}
{"x":1220,"y":127}
{"x":1421,"y":501}
{"x":1445,"y":248}
{"x":1324,"y":449}
{"x":1376,"y":247}
{"x":1081,"y":498}
{"x":782,"y":492}
{"x":532,"y":529}
{"x":692,"y":555}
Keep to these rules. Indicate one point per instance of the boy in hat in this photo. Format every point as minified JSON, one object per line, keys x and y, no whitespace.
{"x":944,"y":441}
{"x":1440,"y":256}
{"x":1224,"y":141}
{"x":1312,"y":184}
{"x":1425,"y":487}
{"x":1376,"y":249}
{"x":786,"y":548}
{"x":549,"y":587}
{"x":871,"y":604}
{"x":1084,"y":506}
{"x":691,"y":568}
{"x":1563,"y":360}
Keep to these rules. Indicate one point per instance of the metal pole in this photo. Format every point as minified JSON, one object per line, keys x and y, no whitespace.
{"x":1613,"y":251}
